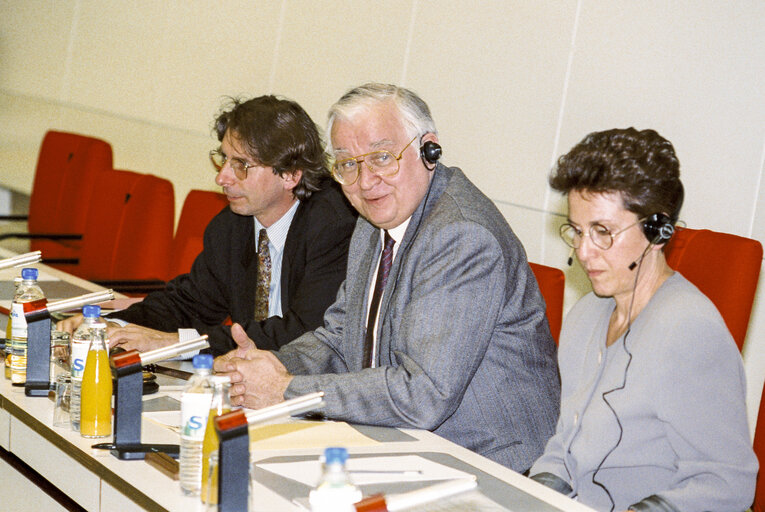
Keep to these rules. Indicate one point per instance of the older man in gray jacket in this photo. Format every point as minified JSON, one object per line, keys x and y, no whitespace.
{"x":439,"y":324}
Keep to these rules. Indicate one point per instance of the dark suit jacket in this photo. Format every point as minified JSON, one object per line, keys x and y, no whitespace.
{"x":221,"y":281}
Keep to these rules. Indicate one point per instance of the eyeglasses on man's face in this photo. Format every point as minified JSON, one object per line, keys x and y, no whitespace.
{"x":238,"y":165}
{"x":381,"y":163}
{"x":600,"y":235}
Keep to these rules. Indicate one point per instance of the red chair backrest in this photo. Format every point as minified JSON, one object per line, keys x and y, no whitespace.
{"x":724,"y":267}
{"x":199,"y":208}
{"x":66,"y":169}
{"x":129,"y":231}
{"x":552,"y":284}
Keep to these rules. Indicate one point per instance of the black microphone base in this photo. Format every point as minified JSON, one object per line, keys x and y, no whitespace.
{"x":139,"y":451}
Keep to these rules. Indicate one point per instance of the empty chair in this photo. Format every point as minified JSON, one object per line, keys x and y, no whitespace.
{"x":129,"y":231}
{"x":724,"y":267}
{"x":552,"y":284}
{"x":66,"y":168}
{"x":199,"y":207}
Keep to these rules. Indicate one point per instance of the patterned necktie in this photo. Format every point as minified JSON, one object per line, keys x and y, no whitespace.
{"x":264,"y":277}
{"x":382,"y":277}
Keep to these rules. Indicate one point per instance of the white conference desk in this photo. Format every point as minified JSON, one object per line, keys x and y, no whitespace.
{"x":98,"y":481}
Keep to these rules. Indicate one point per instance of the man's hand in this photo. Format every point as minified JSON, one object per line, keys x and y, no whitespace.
{"x":70,"y":324}
{"x":258,"y":378}
{"x":135,"y":337}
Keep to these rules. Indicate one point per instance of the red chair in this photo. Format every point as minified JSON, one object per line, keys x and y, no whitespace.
{"x":724,"y":267}
{"x":199,"y":207}
{"x":128,"y":236}
{"x":759,"y":450}
{"x":66,"y":169}
{"x":552,"y":284}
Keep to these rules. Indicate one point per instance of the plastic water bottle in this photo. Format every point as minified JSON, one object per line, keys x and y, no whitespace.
{"x":195,"y":407}
{"x":29,"y":291}
{"x":9,"y":329}
{"x":80,"y":344}
{"x":335,"y":491}
{"x":96,"y":391}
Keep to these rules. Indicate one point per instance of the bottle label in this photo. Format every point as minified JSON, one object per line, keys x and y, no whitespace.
{"x":79,"y":356}
{"x":18,"y":321}
{"x":195,"y":407}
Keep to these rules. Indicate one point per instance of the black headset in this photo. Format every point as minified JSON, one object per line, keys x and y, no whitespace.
{"x":658,"y":228}
{"x":430,"y":152}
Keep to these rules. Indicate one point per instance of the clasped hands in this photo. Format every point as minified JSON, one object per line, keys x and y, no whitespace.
{"x":258,"y":378}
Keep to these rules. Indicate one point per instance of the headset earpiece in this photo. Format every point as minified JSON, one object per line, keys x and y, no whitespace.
{"x":430,"y":152}
{"x":658,"y":228}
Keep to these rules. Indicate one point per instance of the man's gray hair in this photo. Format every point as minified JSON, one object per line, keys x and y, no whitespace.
{"x":414,"y":111}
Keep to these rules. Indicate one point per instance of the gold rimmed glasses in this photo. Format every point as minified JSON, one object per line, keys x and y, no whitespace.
{"x":381,"y":163}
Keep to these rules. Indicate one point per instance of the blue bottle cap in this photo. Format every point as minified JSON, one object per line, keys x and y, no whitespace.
{"x":202,"y":361}
{"x":28,"y":273}
{"x":91,"y":311}
{"x":335,"y":455}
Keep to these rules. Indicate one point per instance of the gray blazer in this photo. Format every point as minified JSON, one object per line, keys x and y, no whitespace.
{"x":464,"y":345}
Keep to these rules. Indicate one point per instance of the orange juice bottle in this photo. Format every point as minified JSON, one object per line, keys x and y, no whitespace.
{"x":96,"y":392}
{"x":221,"y":404}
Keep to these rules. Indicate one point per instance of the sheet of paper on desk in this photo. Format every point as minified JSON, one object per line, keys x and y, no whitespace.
{"x":473,"y":500}
{"x":370,"y":470}
{"x":170,"y":420}
{"x":470,"y":501}
{"x":304,"y":434}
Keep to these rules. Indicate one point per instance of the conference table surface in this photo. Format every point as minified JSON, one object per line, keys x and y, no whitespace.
{"x":96,"y":480}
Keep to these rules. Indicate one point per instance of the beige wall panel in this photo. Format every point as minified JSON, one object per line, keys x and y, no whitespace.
{"x":758,"y":228}
{"x":208,"y":50}
{"x":526,"y":224}
{"x":23,"y":123}
{"x":34,"y":39}
{"x":695,"y":75}
{"x":493,"y":75}
{"x":328,"y":47}
{"x":115,"y":63}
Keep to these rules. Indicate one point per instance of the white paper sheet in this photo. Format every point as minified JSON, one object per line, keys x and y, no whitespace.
{"x":370,"y":470}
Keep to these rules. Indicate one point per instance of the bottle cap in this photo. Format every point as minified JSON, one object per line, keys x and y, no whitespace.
{"x":203,"y":361}
{"x":28,"y":273}
{"x":91,"y":311}
{"x":335,"y":455}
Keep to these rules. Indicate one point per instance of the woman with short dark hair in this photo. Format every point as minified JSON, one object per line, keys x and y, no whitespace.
{"x":653,"y":414}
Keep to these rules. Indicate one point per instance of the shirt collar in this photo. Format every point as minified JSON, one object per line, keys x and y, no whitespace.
{"x":396,"y":233}
{"x":277,"y":232}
